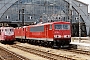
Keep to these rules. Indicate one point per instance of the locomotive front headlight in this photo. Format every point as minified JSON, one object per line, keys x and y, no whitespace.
{"x":55,"y":36}
{"x":59,"y":36}
{"x":65,"y":36}
{"x":69,"y":36}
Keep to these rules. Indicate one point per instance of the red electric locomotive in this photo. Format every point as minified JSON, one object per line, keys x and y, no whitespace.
{"x":54,"y":33}
{"x":20,"y":33}
{"x":7,"y":34}
{"x":50,"y":34}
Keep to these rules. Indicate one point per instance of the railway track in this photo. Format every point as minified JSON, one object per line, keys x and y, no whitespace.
{"x":44,"y":54}
{"x":78,"y":51}
{"x":8,"y":55}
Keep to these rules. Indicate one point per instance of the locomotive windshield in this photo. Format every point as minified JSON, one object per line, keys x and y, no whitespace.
{"x":66,"y":26}
{"x":11,"y":30}
{"x":62,"y":26}
{"x":58,"y":26}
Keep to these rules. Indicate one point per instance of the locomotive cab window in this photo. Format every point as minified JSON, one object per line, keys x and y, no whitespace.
{"x":66,"y":26}
{"x":62,"y":26}
{"x":50,"y":27}
{"x":5,"y":29}
{"x":58,"y":26}
{"x":11,"y":30}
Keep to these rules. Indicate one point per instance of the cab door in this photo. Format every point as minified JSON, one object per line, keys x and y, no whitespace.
{"x":49,"y":32}
{"x":46,"y":32}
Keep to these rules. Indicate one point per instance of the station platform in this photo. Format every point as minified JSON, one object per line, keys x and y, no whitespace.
{"x":81,"y":42}
{"x":85,"y":41}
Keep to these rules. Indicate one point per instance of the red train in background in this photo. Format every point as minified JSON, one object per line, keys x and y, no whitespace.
{"x":50,"y":34}
{"x":7,"y":34}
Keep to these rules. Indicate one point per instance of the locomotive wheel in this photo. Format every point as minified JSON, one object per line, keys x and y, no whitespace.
{"x":50,"y":44}
{"x":55,"y":45}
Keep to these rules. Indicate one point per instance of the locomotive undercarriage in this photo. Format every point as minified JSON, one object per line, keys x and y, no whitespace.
{"x":61,"y":43}
{"x":55,"y":43}
{"x":6,"y":41}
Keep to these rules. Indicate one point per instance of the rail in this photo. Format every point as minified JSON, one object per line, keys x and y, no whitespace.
{"x":8,"y":55}
{"x":44,"y":54}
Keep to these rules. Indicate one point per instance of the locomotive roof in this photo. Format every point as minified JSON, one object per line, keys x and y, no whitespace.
{"x":41,"y":24}
{"x":49,"y":23}
{"x":5,"y":27}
